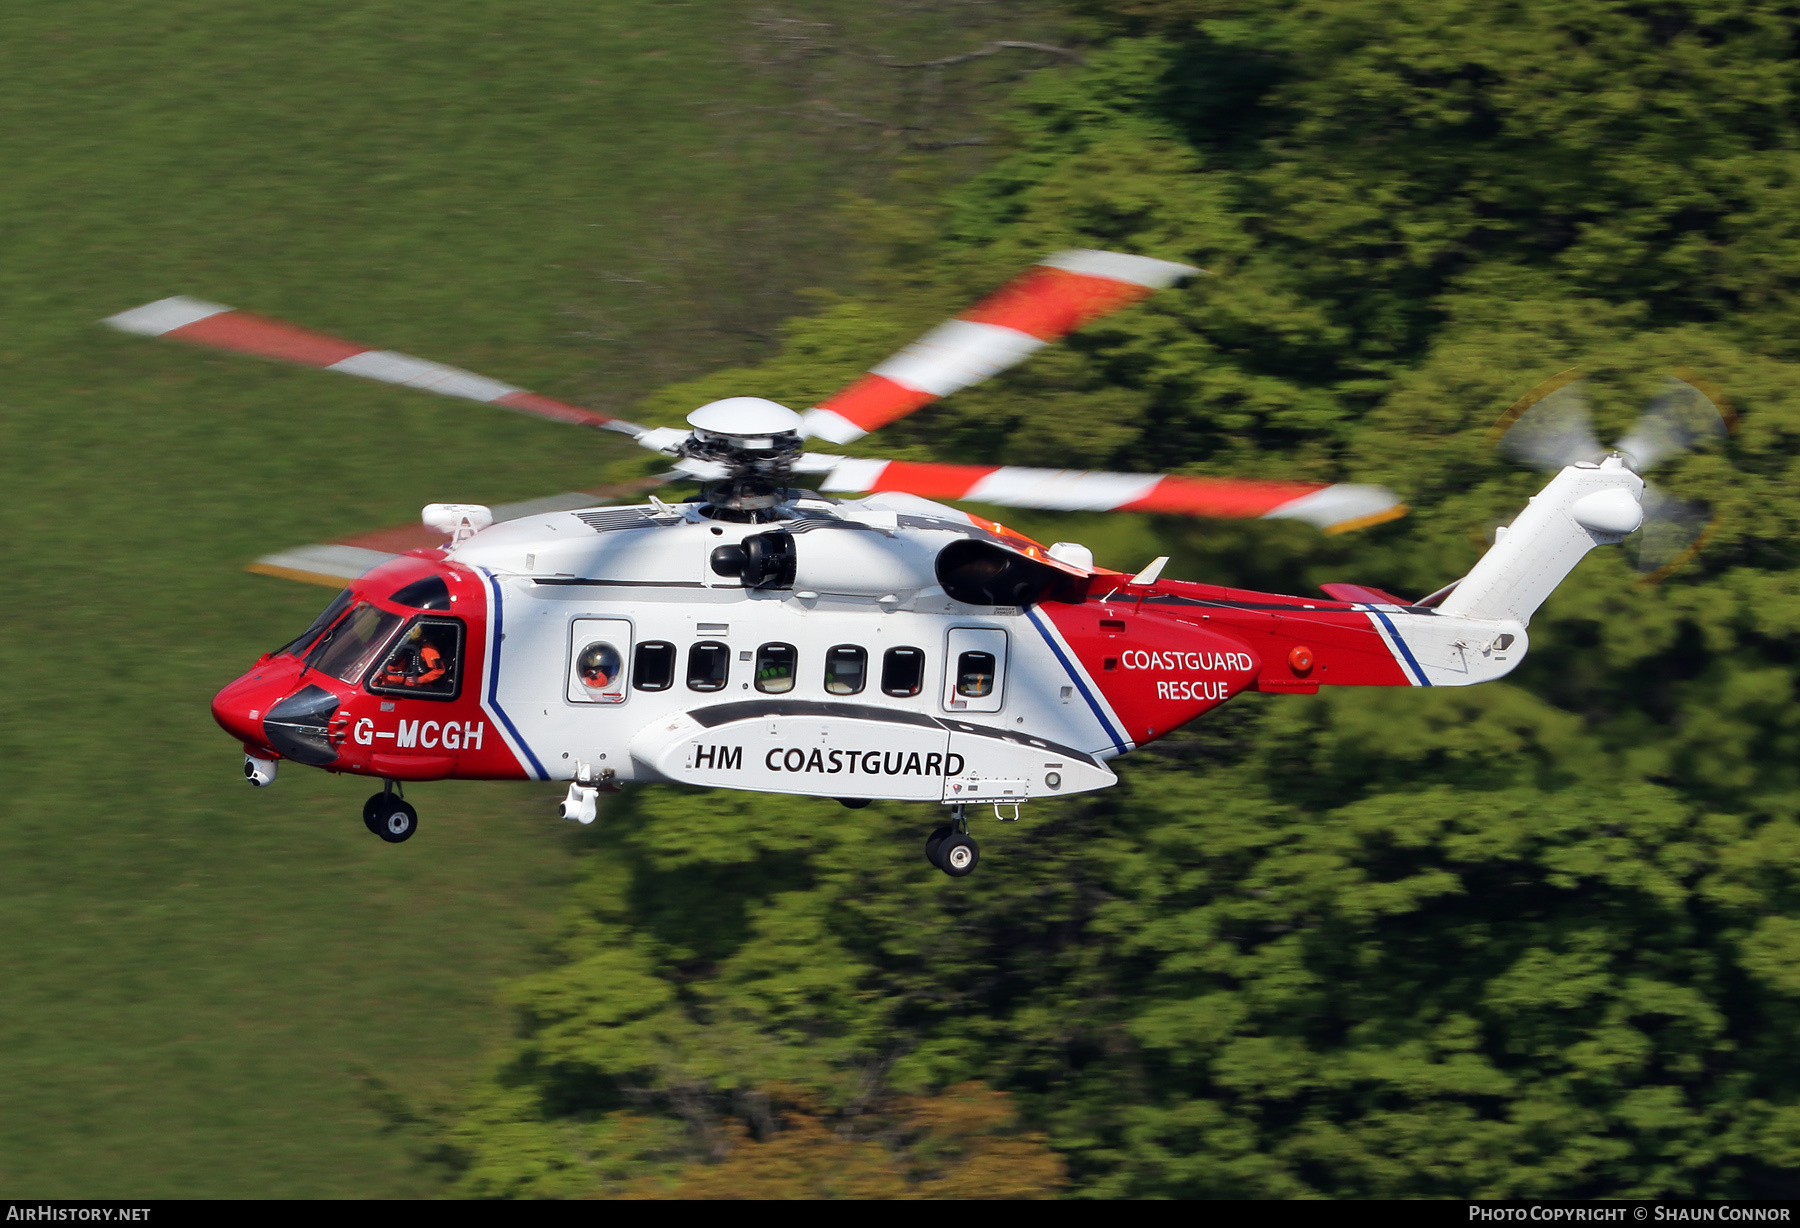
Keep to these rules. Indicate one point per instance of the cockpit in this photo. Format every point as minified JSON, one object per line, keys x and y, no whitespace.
{"x":415,"y":655}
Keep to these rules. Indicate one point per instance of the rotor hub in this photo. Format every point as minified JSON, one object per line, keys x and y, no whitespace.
{"x":756,"y":442}
{"x":752,"y":424}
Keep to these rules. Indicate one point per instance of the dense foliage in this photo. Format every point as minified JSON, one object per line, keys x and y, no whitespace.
{"x":1540,"y":937}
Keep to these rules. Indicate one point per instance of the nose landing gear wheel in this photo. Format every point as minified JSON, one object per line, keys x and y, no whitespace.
{"x":388,"y":816}
{"x":397,"y":821}
{"x":957,"y":855}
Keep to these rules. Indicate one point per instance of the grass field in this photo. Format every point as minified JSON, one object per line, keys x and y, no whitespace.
{"x":193,"y":974}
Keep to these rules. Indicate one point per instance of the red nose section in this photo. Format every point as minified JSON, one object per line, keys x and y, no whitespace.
{"x":240,"y":707}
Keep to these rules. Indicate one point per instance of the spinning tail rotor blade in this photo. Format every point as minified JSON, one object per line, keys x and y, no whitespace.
{"x":1335,"y":508}
{"x":1687,"y":415}
{"x":1675,"y":530}
{"x":1549,"y":426}
{"x":188,"y":319}
{"x":1042,"y":305}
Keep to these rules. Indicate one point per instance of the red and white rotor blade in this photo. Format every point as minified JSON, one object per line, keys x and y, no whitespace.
{"x":1044,"y":304}
{"x":1334,"y":507}
{"x":225,"y":328}
{"x":336,"y":563}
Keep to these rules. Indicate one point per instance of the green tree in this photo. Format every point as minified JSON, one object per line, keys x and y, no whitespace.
{"x":1536,"y":938}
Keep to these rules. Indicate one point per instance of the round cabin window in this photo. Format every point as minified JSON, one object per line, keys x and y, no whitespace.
{"x":598,"y":668}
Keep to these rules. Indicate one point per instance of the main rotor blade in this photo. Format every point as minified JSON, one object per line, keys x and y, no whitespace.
{"x":1684,"y":417}
{"x":336,"y":563}
{"x":1335,"y":508}
{"x":1549,"y":426}
{"x":225,"y":328}
{"x":1042,"y":305}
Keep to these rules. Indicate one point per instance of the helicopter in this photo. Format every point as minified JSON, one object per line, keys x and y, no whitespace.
{"x":857,"y":638}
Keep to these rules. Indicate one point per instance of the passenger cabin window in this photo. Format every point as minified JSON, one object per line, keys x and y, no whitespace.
{"x":654,"y":668}
{"x":347,"y":650}
{"x":425,"y":663}
{"x":599,"y":651}
{"x":709,"y":666}
{"x":902,"y":671}
{"x":600,"y":671}
{"x":975,"y":674}
{"x":775,"y":668}
{"x":974,"y":669}
{"x":846,"y":670}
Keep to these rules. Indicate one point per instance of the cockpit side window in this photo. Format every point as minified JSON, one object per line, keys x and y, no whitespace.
{"x":347,"y":649}
{"x":297,"y":646}
{"x":425,"y":663}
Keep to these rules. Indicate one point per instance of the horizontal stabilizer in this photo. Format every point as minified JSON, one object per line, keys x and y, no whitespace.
{"x":1361,"y":594}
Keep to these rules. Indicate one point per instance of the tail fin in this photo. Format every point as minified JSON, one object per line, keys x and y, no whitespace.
{"x":1584,"y":506}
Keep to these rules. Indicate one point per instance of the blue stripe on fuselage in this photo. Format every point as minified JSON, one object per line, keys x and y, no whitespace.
{"x":1406,"y":652}
{"x":1075,"y":677}
{"x":494,"y":680}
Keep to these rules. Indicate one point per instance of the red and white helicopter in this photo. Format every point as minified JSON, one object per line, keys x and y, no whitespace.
{"x":782,"y":640}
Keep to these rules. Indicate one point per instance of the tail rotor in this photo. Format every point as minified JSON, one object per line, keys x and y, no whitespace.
{"x":1550,"y":427}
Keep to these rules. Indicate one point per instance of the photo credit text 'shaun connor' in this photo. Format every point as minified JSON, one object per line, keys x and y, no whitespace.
{"x":1634,"y":1214}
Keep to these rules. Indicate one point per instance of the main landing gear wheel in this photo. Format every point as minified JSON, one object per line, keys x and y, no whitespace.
{"x":371,"y":810}
{"x":957,"y":855}
{"x":950,"y":849}
{"x":936,"y":840}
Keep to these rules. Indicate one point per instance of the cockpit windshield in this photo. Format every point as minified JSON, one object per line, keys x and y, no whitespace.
{"x":297,"y":646}
{"x":346,"y":650}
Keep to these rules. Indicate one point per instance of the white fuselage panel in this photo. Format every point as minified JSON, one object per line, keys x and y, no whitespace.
{"x":760,"y":726}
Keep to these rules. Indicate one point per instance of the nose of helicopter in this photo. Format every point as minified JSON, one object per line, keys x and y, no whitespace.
{"x":241,"y":705}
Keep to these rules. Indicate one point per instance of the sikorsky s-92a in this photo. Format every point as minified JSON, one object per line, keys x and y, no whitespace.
{"x":777,"y":634}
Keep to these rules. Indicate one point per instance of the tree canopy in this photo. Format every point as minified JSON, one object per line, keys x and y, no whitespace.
{"x":1535,"y":938}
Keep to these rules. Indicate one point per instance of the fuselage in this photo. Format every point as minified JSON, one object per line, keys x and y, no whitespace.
{"x":611,"y":645}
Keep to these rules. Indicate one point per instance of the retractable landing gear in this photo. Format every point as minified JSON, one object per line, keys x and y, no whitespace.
{"x":388,"y":816}
{"x":950,"y":849}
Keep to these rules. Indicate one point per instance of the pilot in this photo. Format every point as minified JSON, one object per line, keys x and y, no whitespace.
{"x":399,"y":668}
{"x":431,"y":666}
{"x":414,"y":667}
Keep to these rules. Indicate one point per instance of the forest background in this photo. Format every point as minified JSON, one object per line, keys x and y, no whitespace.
{"x":1540,"y":937}
{"x":1536,"y":938}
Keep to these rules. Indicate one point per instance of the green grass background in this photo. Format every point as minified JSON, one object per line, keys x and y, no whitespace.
{"x":586,"y":199}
